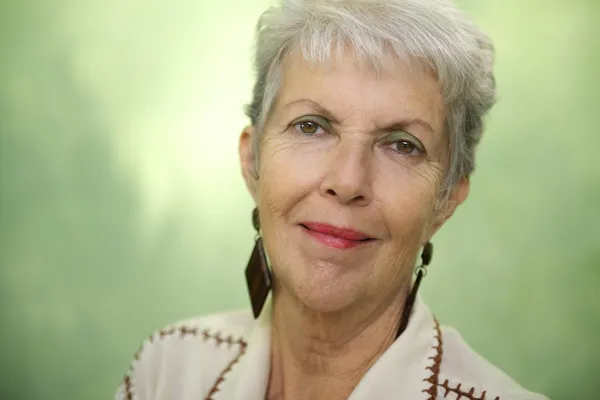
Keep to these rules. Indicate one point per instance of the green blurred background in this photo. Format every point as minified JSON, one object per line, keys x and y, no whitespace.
{"x":122,"y":207}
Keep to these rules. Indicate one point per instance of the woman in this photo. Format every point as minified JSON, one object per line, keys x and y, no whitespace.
{"x":365,"y":117}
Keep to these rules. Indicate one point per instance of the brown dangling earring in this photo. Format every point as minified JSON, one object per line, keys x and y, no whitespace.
{"x":258,"y":276}
{"x":410,"y":300}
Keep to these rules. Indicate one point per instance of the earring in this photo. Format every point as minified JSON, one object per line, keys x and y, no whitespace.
{"x":258,"y":276}
{"x":421,"y":272}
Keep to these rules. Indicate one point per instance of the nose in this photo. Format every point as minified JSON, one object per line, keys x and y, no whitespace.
{"x":347,"y":179}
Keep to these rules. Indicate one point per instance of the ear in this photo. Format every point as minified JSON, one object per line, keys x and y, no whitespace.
{"x":248,"y":161}
{"x":459,"y":194}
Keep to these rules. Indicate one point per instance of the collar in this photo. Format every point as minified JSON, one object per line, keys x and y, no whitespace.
{"x":409,"y":368}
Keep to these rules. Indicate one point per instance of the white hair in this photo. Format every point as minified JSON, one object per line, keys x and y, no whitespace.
{"x":425,"y":33}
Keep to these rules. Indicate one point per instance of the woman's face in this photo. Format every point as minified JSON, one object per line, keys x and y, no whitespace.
{"x":350,"y":165}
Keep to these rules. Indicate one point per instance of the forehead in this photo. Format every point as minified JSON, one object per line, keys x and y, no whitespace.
{"x":358,"y":93}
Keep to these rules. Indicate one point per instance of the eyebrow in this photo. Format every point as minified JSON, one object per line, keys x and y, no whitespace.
{"x":317,"y":108}
{"x":403,"y":124}
{"x":393,"y":126}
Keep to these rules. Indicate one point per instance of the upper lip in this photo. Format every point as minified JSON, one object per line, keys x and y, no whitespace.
{"x":336,"y":231}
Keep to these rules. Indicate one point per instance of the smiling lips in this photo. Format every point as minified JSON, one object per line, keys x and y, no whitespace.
{"x":336,"y":237}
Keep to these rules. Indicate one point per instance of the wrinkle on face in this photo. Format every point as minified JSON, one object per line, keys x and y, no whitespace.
{"x":399,"y":191}
{"x":348,"y":175}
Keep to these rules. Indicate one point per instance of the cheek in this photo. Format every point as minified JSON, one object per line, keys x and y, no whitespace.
{"x":285,"y":177}
{"x":407,"y":201}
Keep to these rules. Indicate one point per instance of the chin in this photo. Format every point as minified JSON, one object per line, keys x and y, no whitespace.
{"x":326,"y":289}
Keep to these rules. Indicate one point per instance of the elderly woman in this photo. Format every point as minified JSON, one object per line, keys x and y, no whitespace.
{"x":364,"y":121}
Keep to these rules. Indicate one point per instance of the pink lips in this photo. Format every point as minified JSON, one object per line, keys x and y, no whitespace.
{"x":336,"y":237}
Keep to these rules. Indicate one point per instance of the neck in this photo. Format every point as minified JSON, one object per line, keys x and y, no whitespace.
{"x":325,"y":355}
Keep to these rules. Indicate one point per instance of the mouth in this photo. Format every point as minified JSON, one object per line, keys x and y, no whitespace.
{"x":336,"y":237}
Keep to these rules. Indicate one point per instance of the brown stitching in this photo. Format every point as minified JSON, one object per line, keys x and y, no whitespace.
{"x":435,"y":372}
{"x":185,"y":331}
{"x":216,"y":386}
{"x":218,"y":339}
{"x":459,"y":391}
{"x":437,"y":362}
{"x":127,"y":386}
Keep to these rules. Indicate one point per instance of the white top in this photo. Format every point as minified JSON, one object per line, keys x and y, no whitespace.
{"x":226,"y":356}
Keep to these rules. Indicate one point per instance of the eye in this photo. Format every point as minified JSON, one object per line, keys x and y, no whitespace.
{"x":404,"y":147}
{"x":401,"y":142}
{"x":309,"y":128}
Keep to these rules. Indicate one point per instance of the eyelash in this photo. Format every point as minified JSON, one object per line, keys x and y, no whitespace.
{"x":416,"y":152}
{"x":387,"y":146}
{"x":297,"y":125}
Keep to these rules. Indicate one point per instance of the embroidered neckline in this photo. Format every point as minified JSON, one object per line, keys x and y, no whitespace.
{"x":241,"y":351}
{"x":128,"y":386}
{"x":183,"y":331}
{"x":219,"y":339}
{"x":434,"y":379}
{"x":436,"y":357}
{"x":461,"y":393}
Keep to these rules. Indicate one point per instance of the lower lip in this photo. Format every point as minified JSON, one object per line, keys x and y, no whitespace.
{"x":334,"y":241}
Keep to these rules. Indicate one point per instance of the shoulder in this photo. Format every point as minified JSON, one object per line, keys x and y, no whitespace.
{"x":463,"y":373}
{"x":202,"y":347}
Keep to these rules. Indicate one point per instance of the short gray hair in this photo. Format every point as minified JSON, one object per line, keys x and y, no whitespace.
{"x":430,"y":33}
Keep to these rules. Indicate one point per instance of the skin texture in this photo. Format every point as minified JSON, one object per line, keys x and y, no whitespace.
{"x":352,"y":148}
